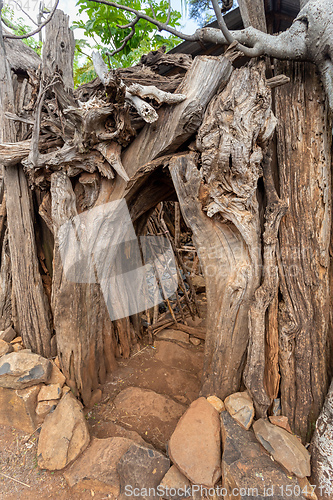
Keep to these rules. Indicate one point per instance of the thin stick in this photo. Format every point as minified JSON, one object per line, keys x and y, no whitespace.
{"x":13,"y":479}
{"x":37,"y":30}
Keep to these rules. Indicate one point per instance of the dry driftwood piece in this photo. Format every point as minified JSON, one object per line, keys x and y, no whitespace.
{"x":158,"y":58}
{"x":305,"y":183}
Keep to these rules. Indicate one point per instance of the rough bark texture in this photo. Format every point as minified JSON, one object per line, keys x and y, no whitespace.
{"x":304,"y":157}
{"x":227,"y":236}
{"x":84,"y":331}
{"x":31,"y":303}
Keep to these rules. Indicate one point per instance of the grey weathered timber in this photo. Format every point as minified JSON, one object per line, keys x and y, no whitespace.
{"x":31,"y":303}
{"x":304,"y":137}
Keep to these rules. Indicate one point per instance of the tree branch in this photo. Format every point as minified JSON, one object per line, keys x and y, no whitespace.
{"x":37,"y":30}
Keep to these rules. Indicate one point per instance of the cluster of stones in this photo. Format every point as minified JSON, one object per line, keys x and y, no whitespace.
{"x":213,"y":444}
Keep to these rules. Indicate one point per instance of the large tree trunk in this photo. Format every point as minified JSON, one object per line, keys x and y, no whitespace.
{"x":304,"y":135}
{"x":220,"y":206}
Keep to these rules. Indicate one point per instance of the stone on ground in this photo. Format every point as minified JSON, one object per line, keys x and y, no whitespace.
{"x":141,"y":467}
{"x":8,"y":335}
{"x":17,"y":408}
{"x":49,"y":392}
{"x":216,"y":402}
{"x":171,"y":334}
{"x":284,"y":447}
{"x":5,"y":347}
{"x":108,"y":429}
{"x":245,"y":464}
{"x":64,"y":435}
{"x":176,"y":356}
{"x":307,"y":489}
{"x":322,"y":448}
{"x":152,"y":415}
{"x":19,"y":370}
{"x":56,"y":377}
{"x":195,"y":445}
{"x":96,"y":468}
{"x":280,"y":421}
{"x":43,"y":408}
{"x":175,"y":480}
{"x":240,"y":407}
{"x":195,"y":341}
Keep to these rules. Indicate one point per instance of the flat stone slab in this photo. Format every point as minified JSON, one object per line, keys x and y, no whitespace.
{"x":49,"y":392}
{"x":195,"y":445}
{"x":152,"y":415}
{"x":174,"y":485}
{"x":246,"y":465}
{"x":284,"y":447}
{"x":240,"y":407}
{"x":5,"y":348}
{"x":17,"y":408}
{"x":8,"y":335}
{"x":184,"y":358}
{"x":96,"y":468}
{"x":19,"y":370}
{"x":64,"y":435}
{"x":141,"y":468}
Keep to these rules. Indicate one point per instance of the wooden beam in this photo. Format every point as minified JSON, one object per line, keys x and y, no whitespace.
{"x":253,"y":14}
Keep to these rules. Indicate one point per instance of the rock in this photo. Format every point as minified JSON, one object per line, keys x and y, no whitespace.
{"x":49,"y":392}
{"x":19,"y":370}
{"x":43,"y":408}
{"x":96,"y":468}
{"x":152,"y":415}
{"x":17,"y":340}
{"x":284,"y":447}
{"x":307,"y":489}
{"x":56,"y":377}
{"x":170,"y":334}
{"x":195,"y":445}
{"x":64,"y":435}
{"x":322,"y":449}
{"x":141,"y":468}
{"x":247,"y":466}
{"x":280,"y":421}
{"x":175,"y":480}
{"x":95,"y":398}
{"x":217,"y":403}
{"x":8,"y":335}
{"x":18,"y":347}
{"x":195,"y":341}
{"x":108,"y":429}
{"x":17,"y":408}
{"x":240,"y":407}
{"x":5,"y":347}
{"x":176,"y":356}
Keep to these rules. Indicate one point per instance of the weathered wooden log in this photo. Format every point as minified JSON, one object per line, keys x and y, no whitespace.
{"x":304,"y":159}
{"x":84,"y":331}
{"x":254,"y":373}
{"x":219,"y":204}
{"x":31,"y":303}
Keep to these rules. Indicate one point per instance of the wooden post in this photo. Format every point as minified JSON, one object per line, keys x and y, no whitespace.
{"x":31,"y":303}
{"x":304,"y":135}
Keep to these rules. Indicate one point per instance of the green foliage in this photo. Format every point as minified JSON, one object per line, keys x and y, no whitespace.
{"x":18,"y":27}
{"x":102,"y":28}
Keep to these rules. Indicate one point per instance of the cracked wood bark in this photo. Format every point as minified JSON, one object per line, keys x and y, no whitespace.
{"x":254,"y":374}
{"x":304,"y":156}
{"x":84,"y":331}
{"x":219,"y":204}
{"x":253,"y":14}
{"x":31,"y":303}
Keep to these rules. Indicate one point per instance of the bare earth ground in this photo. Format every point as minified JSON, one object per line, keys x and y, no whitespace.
{"x":18,"y":451}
